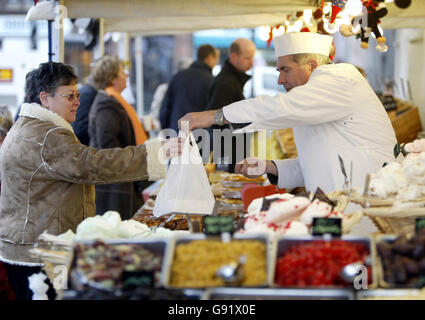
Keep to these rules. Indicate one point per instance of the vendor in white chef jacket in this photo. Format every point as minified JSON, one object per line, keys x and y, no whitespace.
{"x":331,"y":108}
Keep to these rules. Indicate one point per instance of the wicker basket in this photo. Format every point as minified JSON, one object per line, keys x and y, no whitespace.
{"x":400,"y":222}
{"x":342,"y":199}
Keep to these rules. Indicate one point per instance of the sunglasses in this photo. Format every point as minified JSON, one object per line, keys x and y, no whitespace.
{"x":71,"y":97}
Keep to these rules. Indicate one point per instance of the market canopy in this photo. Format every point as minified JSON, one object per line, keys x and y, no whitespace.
{"x":173,"y":25}
{"x":158,"y":17}
{"x":186,"y":8}
{"x":173,"y":17}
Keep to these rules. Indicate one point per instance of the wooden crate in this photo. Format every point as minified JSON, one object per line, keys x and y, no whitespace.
{"x":407,"y":124}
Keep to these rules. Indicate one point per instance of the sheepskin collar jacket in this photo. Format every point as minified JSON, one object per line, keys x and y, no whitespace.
{"x":47,"y":179}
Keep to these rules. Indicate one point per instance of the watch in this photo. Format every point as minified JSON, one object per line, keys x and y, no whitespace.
{"x":219,"y":117}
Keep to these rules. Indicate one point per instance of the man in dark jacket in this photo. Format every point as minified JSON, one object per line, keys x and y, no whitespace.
{"x":228,"y":88}
{"x":189,"y":88}
{"x":80,"y":125}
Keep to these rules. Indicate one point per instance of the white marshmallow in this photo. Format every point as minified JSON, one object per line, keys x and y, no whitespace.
{"x":317,"y":209}
{"x":286,"y":210}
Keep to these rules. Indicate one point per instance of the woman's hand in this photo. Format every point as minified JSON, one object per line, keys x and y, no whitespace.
{"x":253,"y":168}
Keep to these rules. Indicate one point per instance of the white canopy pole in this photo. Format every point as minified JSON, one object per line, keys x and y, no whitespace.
{"x":99,"y":49}
{"x":58,"y":41}
{"x":138,"y":54}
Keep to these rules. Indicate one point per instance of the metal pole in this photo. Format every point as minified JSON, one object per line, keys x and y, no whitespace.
{"x":101,"y":37}
{"x":49,"y":28}
{"x":138,"y":52}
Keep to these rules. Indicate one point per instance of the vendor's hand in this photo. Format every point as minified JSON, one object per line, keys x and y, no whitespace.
{"x":253,"y":168}
{"x":195,"y":120}
{"x":172,"y":147}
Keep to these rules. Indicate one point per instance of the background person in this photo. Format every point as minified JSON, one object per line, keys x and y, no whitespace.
{"x":114,"y":123}
{"x":160,"y":92}
{"x":188,"y":90}
{"x":48,"y":175}
{"x":228,"y":88}
{"x":81,"y":124}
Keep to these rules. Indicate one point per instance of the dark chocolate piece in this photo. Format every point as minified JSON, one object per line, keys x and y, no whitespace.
{"x":320,"y":195}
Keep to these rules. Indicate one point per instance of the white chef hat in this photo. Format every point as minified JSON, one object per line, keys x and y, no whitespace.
{"x":302,"y":42}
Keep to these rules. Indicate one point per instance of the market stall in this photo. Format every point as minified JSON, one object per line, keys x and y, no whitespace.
{"x":261,"y":242}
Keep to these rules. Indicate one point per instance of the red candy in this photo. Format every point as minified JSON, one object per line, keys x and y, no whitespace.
{"x":318,"y":263}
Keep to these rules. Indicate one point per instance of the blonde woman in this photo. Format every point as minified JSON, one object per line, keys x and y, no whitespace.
{"x":113,"y":122}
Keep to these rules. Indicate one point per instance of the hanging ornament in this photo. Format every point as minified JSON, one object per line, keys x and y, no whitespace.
{"x":368,"y":23}
{"x":332,"y":52}
{"x":402,"y":4}
{"x":337,"y":6}
{"x":269,"y":40}
{"x":318,"y":21}
{"x":375,"y":10}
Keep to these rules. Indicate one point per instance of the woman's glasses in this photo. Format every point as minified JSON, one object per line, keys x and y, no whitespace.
{"x":71,"y":97}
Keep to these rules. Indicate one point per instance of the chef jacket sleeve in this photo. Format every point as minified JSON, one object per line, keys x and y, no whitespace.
{"x":289,"y":174}
{"x":324,"y":98}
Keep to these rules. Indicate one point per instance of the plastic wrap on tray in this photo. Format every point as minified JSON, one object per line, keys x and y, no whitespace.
{"x":112,"y":265}
{"x":401,"y":261}
{"x":196,"y":260}
{"x":314,"y":262}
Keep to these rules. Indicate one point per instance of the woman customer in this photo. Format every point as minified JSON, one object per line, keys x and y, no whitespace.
{"x":48,"y":175}
{"x":113,"y":122}
{"x":6,"y":122}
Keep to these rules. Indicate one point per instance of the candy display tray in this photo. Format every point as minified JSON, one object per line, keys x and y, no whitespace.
{"x":159,"y":245}
{"x":285,"y":243}
{"x":237,"y":237}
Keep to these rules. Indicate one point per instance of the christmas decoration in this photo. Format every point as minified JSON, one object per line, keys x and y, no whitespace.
{"x":337,"y":6}
{"x":368,"y":24}
{"x":402,"y":4}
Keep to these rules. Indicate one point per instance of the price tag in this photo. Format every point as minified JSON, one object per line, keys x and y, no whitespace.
{"x":420,"y":224}
{"x":216,"y":225}
{"x":322,"y":226}
{"x":135,"y":279}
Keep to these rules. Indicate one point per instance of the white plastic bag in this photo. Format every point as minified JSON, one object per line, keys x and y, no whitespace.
{"x":186,"y":188}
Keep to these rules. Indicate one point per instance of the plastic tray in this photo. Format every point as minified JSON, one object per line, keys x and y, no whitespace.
{"x":278,"y":294}
{"x":284,"y":243}
{"x":379,"y":267}
{"x":160,"y":245}
{"x":391,"y":294}
{"x":186,"y":239}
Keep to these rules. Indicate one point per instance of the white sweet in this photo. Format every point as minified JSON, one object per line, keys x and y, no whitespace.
{"x":133,"y":229}
{"x":38,"y":286}
{"x":414,"y":169}
{"x":256,"y":204}
{"x":417,"y":146}
{"x":99,"y":227}
{"x":297,"y":229}
{"x":259,"y":228}
{"x":317,"y":209}
{"x":67,"y":236}
{"x":387,"y":181}
{"x":255,"y":218}
{"x":412,"y":192}
{"x":286,"y":210}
